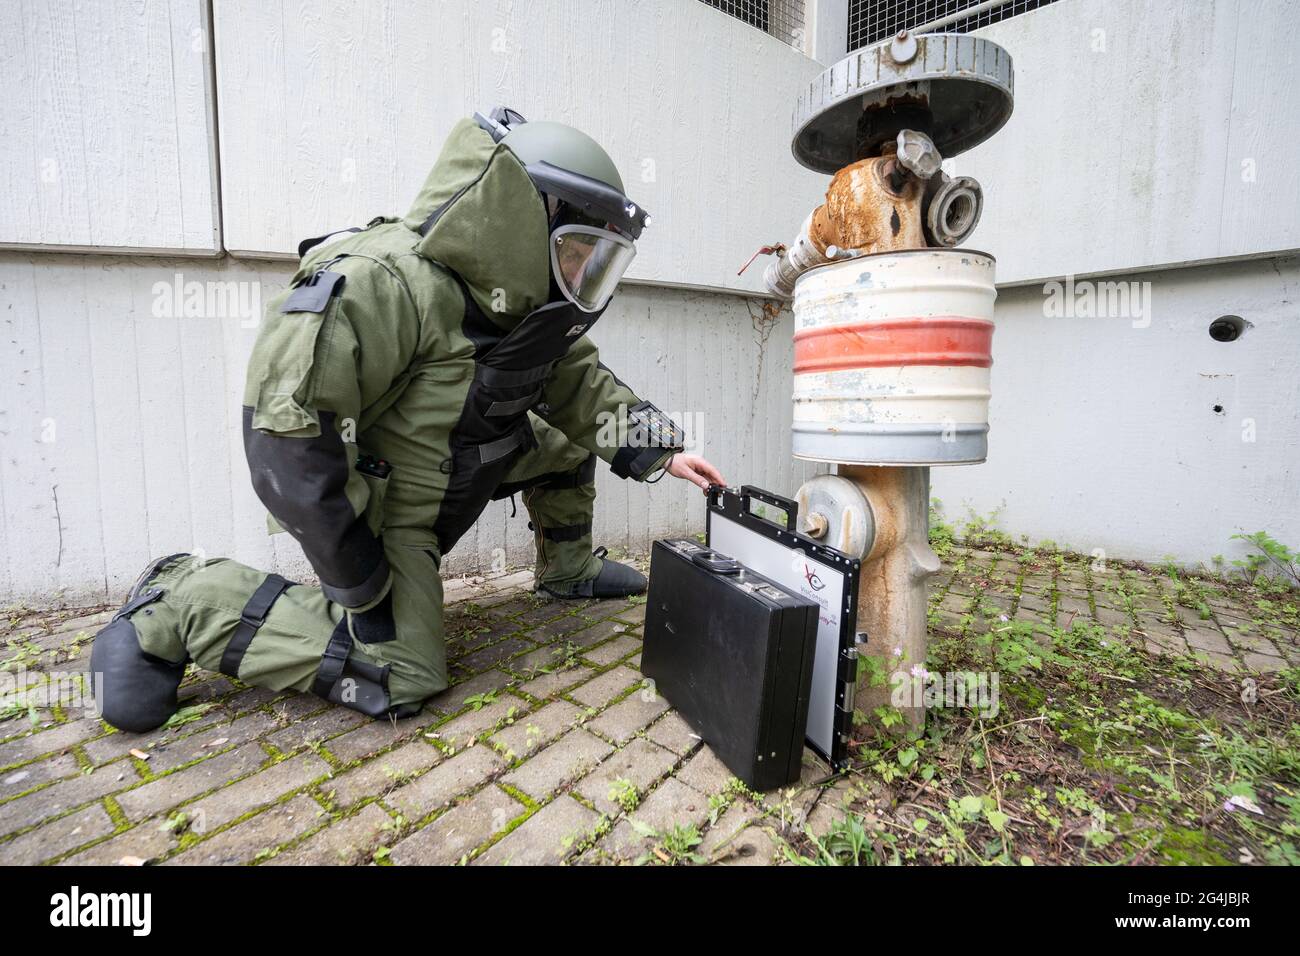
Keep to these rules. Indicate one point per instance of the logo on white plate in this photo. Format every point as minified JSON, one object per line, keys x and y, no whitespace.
{"x":812,"y":579}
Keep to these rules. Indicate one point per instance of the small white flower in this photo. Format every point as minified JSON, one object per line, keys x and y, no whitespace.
{"x":898,"y":651}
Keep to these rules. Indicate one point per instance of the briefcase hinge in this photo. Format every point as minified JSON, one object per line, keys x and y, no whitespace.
{"x":843,"y":730}
{"x":847,"y":689}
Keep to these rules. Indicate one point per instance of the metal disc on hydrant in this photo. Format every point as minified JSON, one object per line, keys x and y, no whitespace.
{"x":961,"y":83}
{"x":836,"y":512}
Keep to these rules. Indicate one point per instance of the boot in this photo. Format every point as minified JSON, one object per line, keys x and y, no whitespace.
{"x":611,"y":580}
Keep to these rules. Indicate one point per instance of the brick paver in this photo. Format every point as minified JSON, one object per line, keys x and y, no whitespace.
{"x":139,"y":844}
{"x":671,"y":804}
{"x":179,"y":786}
{"x":556,"y":682}
{"x":457,"y":775}
{"x":388,"y":771}
{"x":353,"y":840}
{"x":315,"y":730}
{"x":705,"y":772}
{"x":14,"y":782}
{"x":454,"y":698}
{"x":259,"y":789}
{"x":372,"y":737}
{"x":562,"y":762}
{"x":57,"y":838}
{"x":460,"y":730}
{"x":53,"y":801}
{"x":739,"y":838}
{"x":29,"y":746}
{"x":544,"y":751}
{"x":639,"y":764}
{"x":602,"y":655}
{"x":534,"y":731}
{"x":548,"y":836}
{"x":622,"y":720}
{"x":674,"y":733}
{"x":212,"y":739}
{"x":461,"y":829}
{"x":250,"y":839}
{"x":599,"y":691}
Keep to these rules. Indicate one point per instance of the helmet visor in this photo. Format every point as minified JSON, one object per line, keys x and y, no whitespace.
{"x":588,"y":263}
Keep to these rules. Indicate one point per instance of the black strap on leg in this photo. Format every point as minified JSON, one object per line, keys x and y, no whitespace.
{"x":567,"y":532}
{"x":250,"y":619}
{"x":584,"y":474}
{"x":335,"y":658}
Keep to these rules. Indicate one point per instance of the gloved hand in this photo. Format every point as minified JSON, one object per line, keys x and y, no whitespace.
{"x":374,"y":625}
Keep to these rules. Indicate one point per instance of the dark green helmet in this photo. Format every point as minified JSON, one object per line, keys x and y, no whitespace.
{"x":542,"y":141}
{"x":593,"y":224}
{"x":568,"y":165}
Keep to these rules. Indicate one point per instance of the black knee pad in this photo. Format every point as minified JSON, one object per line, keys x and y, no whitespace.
{"x":135,"y":691}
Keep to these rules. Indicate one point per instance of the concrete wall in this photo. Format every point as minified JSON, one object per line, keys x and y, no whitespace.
{"x":1152,"y":143}
{"x":108,"y":133}
{"x":1145,"y":134}
{"x":1145,"y":440}
{"x":120,"y":439}
{"x":332,"y":112}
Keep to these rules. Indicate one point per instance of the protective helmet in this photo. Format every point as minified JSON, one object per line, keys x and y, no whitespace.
{"x":593,"y":224}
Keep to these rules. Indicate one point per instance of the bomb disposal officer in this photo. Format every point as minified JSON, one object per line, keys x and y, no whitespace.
{"x":417,"y":369}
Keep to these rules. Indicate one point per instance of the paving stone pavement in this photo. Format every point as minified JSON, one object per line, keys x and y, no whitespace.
{"x":548,"y":749}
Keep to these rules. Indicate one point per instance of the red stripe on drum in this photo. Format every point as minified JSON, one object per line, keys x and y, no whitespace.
{"x":932,"y":340}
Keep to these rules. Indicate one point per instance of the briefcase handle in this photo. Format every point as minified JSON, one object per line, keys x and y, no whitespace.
{"x":788,"y":505}
{"x":716,"y":562}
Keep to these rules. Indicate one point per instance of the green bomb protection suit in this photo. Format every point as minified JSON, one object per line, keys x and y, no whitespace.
{"x":414,"y":372}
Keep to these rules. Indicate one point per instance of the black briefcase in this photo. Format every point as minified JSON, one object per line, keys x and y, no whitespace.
{"x":732,"y":651}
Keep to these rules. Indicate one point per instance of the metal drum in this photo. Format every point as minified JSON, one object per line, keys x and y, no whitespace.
{"x":891,"y":358}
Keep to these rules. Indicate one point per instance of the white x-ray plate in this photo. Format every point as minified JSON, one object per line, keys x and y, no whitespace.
{"x":802,"y":566}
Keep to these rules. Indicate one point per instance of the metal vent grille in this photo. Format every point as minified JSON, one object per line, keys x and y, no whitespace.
{"x":871,"y":21}
{"x":783,"y":19}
